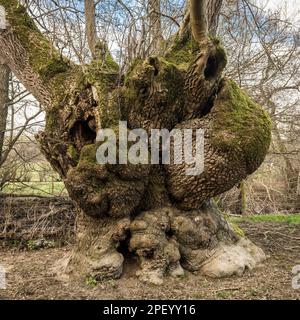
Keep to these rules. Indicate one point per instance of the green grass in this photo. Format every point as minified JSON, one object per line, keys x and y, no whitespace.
{"x":91,"y":281}
{"x":38,"y":178}
{"x":287,"y":218}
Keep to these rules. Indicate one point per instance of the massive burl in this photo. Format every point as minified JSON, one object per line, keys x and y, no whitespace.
{"x":156,"y":212}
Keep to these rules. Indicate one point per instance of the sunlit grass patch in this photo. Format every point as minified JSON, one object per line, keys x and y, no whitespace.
{"x":283,"y":218}
{"x":35,"y":188}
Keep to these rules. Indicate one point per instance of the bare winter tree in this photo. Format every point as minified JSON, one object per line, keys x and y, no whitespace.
{"x":157,"y":212}
{"x":264,"y":59}
{"x":22,"y":118}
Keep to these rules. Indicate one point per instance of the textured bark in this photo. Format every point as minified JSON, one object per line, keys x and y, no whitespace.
{"x":213,"y":14}
{"x":242,"y":199}
{"x":213,"y":11}
{"x":155,"y":24}
{"x":157,"y":212}
{"x":95,"y":254}
{"x":167,"y":239}
{"x":4,"y":78}
{"x":30,"y":56}
{"x":90,"y":22}
{"x":198,"y":19}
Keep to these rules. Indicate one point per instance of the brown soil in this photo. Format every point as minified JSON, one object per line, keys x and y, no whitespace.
{"x":29,"y":274}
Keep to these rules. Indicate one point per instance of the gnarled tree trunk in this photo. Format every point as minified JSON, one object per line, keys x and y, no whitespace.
{"x":157,"y":212}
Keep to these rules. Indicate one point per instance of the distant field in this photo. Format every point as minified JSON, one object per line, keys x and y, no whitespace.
{"x":38,"y":179}
{"x":36,"y":188}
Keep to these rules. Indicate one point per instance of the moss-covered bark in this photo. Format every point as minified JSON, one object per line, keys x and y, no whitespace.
{"x":158,"y":93}
{"x":44,"y":59}
{"x":158,"y":212}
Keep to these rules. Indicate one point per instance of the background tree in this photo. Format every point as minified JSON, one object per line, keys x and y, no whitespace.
{"x":263,"y":58}
{"x":4,"y":77}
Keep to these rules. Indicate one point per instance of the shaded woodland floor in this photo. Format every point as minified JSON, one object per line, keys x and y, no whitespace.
{"x":30,"y":276}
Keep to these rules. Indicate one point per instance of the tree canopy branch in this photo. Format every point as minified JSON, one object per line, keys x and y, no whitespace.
{"x":198,"y":19}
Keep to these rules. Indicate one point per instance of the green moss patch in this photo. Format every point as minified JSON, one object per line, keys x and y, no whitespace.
{"x":238,"y":123}
{"x":43,"y":58}
{"x":88,"y":154}
{"x":183,"y":53}
{"x":73,"y":152}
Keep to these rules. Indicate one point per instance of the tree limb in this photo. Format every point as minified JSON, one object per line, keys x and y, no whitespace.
{"x":91,"y":33}
{"x":198,"y":19}
{"x":28,"y":53}
{"x":213,"y":15}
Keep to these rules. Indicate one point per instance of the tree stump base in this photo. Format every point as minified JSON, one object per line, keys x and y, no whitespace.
{"x":166,"y":241}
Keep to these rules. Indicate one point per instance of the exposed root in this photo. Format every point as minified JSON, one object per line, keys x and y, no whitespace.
{"x":166,"y":241}
{"x":229,"y":260}
{"x":95,"y":253}
{"x":159,"y":254}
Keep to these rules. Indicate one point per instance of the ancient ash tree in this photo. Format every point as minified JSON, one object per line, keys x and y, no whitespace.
{"x":156,"y":212}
